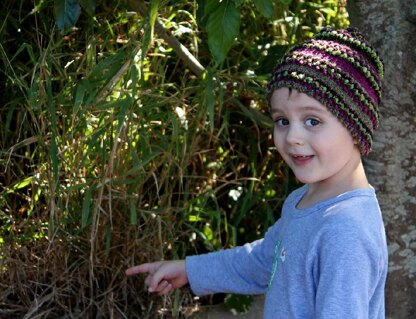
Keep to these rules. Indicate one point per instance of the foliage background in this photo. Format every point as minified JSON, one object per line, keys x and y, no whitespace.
{"x":114,"y":150}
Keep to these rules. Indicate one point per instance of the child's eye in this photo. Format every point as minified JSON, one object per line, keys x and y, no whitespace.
{"x":281,"y":122}
{"x":312,"y":122}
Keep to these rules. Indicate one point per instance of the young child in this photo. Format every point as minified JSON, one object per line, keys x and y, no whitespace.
{"x":326,"y":257}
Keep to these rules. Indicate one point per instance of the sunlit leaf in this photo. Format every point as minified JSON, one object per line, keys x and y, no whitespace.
{"x":21,"y":184}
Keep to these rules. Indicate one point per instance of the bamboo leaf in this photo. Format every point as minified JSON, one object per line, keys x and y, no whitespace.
{"x":223,"y":28}
{"x":66,"y":14}
{"x":123,"y":108}
{"x":79,"y":95}
{"x":154,"y":6}
{"x":86,"y":204}
{"x":21,"y":184}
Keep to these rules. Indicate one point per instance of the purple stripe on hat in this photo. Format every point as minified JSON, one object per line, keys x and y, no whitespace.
{"x":351,"y":53}
{"x":344,"y":66}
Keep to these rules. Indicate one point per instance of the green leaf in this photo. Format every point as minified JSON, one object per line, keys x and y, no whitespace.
{"x":86,"y":204}
{"x":123,"y":105}
{"x":23,"y":183}
{"x":210,"y":6}
{"x":265,"y":7}
{"x":222,"y":28}
{"x":154,"y":7}
{"x":66,"y":14}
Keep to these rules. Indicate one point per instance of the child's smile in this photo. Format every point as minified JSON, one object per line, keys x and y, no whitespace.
{"x":301,"y":159}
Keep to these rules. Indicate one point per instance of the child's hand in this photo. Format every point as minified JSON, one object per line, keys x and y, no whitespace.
{"x":163,"y":276}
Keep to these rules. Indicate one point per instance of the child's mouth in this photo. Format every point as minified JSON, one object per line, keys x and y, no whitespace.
{"x":301,"y":159}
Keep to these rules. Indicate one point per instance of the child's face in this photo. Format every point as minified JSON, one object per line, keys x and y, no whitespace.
{"x":311,"y":140}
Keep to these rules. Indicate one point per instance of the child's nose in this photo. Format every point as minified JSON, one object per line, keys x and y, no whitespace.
{"x":294,"y":135}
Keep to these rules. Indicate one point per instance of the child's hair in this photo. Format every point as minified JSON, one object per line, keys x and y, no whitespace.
{"x":343,"y":72}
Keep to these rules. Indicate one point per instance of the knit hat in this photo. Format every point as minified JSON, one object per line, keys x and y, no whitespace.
{"x":343,"y":72}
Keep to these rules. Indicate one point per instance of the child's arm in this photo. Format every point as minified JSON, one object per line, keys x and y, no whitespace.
{"x":163,"y":276}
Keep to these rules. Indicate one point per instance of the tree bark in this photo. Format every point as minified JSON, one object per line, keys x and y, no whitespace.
{"x":391,"y":27}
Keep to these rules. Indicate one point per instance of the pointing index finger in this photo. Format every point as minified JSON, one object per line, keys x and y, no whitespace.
{"x":138,"y":269}
{"x":143,"y":268}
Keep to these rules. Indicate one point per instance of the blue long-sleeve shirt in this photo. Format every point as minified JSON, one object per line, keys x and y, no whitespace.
{"x":325,"y":261}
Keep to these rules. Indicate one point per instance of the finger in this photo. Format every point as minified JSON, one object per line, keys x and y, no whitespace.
{"x":166,"y":290}
{"x":148,"y":280}
{"x":143,"y":268}
{"x":154,"y":280}
{"x":161,"y":286}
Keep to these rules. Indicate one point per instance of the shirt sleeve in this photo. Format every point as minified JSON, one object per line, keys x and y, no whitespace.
{"x":243,"y":270}
{"x":347,"y":271}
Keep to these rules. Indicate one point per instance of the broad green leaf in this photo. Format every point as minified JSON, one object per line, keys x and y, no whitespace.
{"x":66,"y":14}
{"x":222,"y":28}
{"x":210,"y":6}
{"x":265,"y":7}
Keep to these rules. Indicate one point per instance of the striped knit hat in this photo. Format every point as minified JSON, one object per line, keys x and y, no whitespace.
{"x":343,"y":72}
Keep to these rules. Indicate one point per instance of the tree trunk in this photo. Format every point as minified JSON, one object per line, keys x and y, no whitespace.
{"x":391,"y":27}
